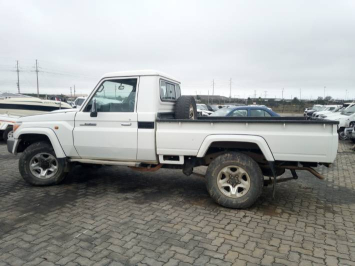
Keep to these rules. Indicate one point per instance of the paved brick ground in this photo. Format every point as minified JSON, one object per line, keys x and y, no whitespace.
{"x":116,"y":216}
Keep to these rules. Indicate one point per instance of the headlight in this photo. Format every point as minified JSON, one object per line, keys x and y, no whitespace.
{"x":16,"y":126}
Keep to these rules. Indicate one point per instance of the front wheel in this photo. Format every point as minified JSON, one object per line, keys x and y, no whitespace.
{"x":234,"y":180}
{"x":39,"y":165}
{"x":8,"y":133}
{"x":342,"y":135}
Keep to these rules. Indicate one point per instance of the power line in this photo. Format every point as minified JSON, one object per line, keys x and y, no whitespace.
{"x":213,"y":87}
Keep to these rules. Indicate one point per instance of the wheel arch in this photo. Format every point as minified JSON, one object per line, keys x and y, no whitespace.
{"x":236,"y":142}
{"x":27,"y":137}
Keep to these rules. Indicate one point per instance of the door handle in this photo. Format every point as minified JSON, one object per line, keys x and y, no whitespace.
{"x":126,"y":124}
{"x":88,"y":125}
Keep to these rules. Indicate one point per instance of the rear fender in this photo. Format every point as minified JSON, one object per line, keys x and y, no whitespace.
{"x":264,"y":147}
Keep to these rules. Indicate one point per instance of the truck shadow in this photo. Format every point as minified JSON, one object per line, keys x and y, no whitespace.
{"x":119,"y":186}
{"x":177,"y":189}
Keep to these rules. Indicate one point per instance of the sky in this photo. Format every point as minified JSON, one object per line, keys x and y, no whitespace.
{"x":266,"y":48}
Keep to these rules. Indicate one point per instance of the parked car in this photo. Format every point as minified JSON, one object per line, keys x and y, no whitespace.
{"x":211,"y":108}
{"x":326,"y":110}
{"x":78,"y":102}
{"x":130,"y":120}
{"x":6,"y":126}
{"x":323,"y":114}
{"x":245,"y":111}
{"x":344,"y":118}
{"x":202,"y":110}
{"x":261,"y":106}
{"x":315,"y":108}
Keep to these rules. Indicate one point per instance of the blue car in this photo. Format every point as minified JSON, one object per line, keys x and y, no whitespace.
{"x":245,"y":111}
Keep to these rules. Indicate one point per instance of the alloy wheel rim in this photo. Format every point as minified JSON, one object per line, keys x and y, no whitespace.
{"x":343,"y":136}
{"x":233,"y":181}
{"x":191,"y":112}
{"x":10,"y":135}
{"x":44,"y":165}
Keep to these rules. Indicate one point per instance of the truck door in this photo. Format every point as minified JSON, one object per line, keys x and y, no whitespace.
{"x":112,"y":135}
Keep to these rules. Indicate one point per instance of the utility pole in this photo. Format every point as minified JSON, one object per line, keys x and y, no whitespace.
{"x":74,"y":90}
{"x":254,"y":94}
{"x":37,"y":79}
{"x":212,"y":90}
{"x":324,"y":93}
{"x":230,"y":90}
{"x":71,"y":93}
{"x":282,"y":93}
{"x":265,"y":94}
{"x":18,"y":78}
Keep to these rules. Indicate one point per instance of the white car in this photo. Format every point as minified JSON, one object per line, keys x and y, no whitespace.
{"x":78,"y":102}
{"x":6,"y":126}
{"x":139,"y":119}
{"x":202,"y":110}
{"x":328,"y":109}
{"x":314,"y":108}
{"x":344,"y":118}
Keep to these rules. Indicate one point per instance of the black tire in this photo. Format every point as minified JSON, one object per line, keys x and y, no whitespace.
{"x":26,"y":157}
{"x":353,"y":140}
{"x":342,"y":135}
{"x":256,"y":180}
{"x":6,"y":133}
{"x":185,"y":108}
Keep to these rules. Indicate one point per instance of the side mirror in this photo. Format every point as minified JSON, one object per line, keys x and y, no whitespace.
{"x":93,"y":112}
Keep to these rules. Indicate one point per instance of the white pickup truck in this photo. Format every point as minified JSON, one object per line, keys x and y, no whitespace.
{"x":139,"y":119}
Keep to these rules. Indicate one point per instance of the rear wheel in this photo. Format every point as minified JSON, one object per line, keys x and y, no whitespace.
{"x":39,"y":165}
{"x":185,"y":108}
{"x":342,"y":135}
{"x":8,"y":133}
{"x":234,"y":180}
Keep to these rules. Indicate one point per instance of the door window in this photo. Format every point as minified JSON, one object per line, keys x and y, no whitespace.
{"x":259,"y":113}
{"x":115,"y":96}
{"x":240,"y":113}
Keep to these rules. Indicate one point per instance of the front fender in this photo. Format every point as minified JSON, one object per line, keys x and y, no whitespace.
{"x":59,"y":152}
{"x":237,"y":138}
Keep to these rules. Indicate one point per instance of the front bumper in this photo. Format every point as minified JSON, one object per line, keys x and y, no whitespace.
{"x":10,"y":145}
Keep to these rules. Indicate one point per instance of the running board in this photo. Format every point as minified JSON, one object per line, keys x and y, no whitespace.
{"x":90,"y":161}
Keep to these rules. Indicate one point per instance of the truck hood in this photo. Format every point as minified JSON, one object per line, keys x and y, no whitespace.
{"x":60,"y":115}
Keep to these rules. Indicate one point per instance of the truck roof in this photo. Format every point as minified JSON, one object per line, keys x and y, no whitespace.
{"x":139,"y":73}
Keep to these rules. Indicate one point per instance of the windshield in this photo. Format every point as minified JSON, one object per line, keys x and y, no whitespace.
{"x":349,"y":111}
{"x":222,"y":112}
{"x":202,"y":107}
